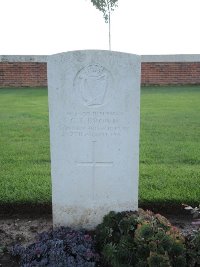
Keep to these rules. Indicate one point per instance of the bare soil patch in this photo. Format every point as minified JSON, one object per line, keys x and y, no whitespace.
{"x":20,"y":229}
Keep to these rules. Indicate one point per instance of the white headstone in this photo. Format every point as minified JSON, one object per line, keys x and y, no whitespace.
{"x":94,"y":105}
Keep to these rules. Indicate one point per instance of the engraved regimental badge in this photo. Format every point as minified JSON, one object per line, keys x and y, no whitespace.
{"x":92,"y":84}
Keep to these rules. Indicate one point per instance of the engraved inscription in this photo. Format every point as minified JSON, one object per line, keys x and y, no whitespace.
{"x":94,"y":124}
{"x":92,"y":84}
{"x":93,"y":163}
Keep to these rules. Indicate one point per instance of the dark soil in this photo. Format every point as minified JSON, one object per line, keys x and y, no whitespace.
{"x":22,"y":228}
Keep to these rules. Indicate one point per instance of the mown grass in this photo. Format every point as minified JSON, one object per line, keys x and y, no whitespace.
{"x":24,"y":146}
{"x":169,"y":146}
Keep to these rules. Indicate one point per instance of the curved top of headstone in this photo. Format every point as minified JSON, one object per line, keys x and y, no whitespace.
{"x":94,"y":51}
{"x":77,"y":53}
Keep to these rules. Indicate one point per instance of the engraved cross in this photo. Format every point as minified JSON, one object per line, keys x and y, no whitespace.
{"x":93,"y":163}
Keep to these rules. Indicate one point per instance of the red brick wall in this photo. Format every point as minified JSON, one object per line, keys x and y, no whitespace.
{"x":164,"y":73}
{"x":34,"y":74}
{"x":18,"y":74}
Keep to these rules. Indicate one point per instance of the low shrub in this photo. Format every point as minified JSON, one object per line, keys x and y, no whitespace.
{"x":58,"y":248}
{"x":140,"y":239}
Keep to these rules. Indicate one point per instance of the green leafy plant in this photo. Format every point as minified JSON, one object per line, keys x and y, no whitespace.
{"x":3,"y":250}
{"x":140,"y":239}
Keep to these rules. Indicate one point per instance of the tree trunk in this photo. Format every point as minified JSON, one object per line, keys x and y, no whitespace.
{"x":109,"y":22}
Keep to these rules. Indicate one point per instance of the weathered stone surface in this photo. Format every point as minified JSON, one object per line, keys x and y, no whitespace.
{"x":94,"y":105}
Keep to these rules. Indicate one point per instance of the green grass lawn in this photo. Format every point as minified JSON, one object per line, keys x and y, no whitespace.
{"x":24,"y":146}
{"x":169,"y":146}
